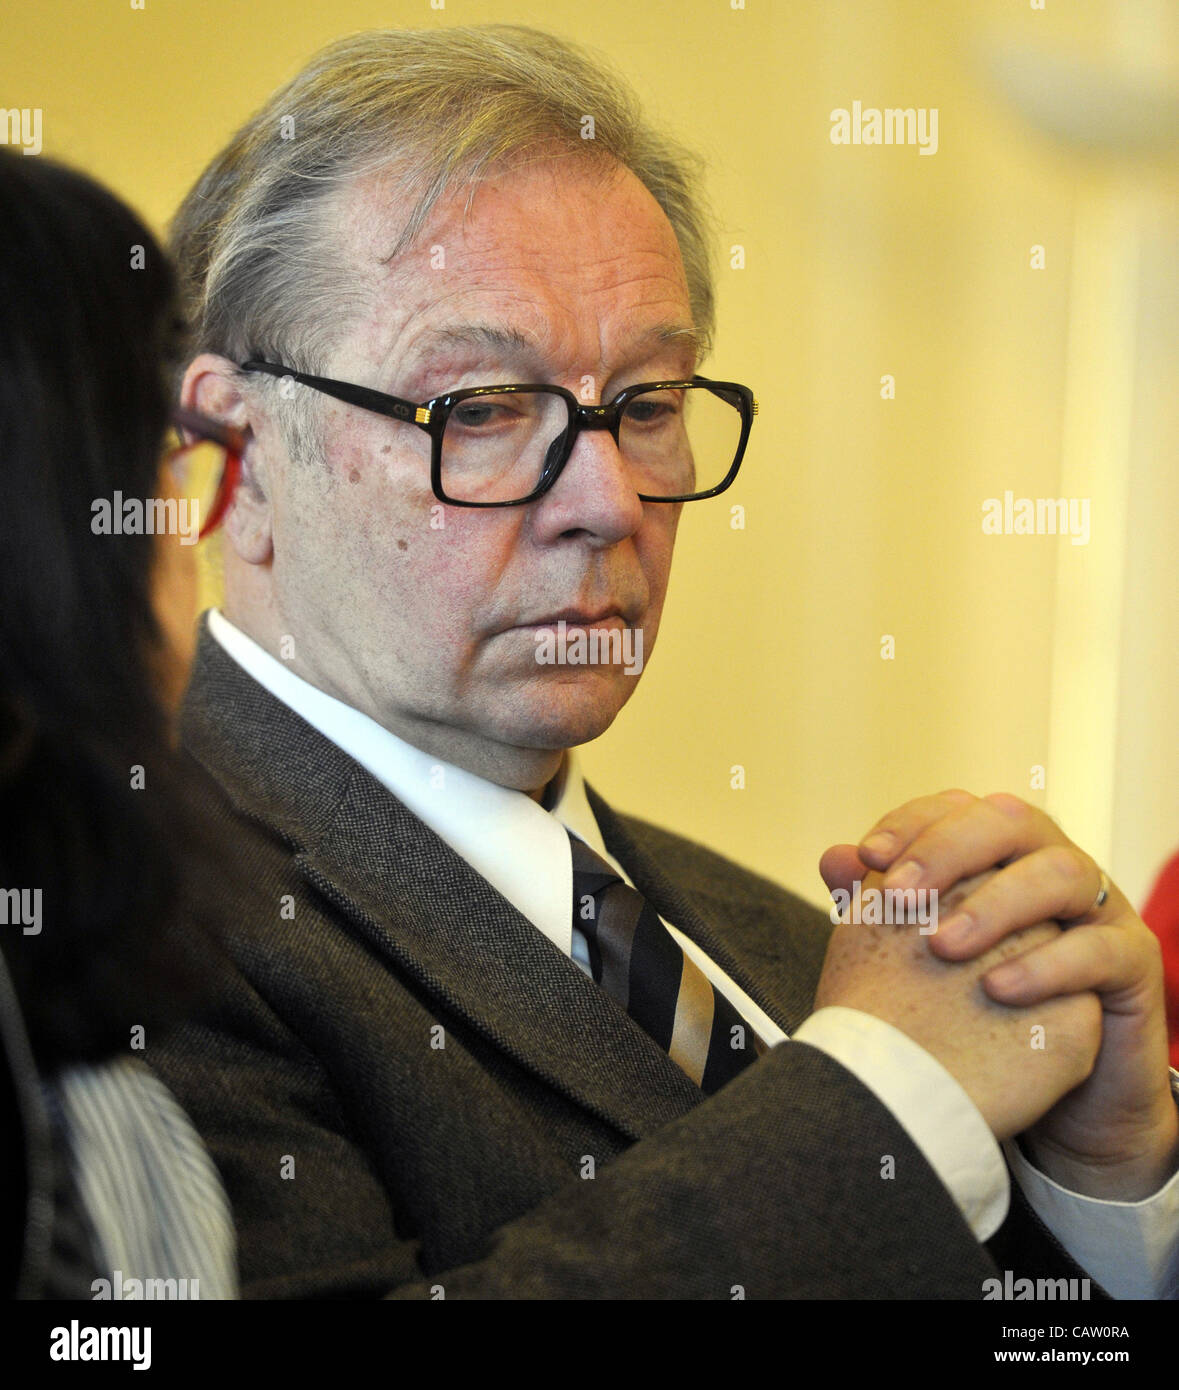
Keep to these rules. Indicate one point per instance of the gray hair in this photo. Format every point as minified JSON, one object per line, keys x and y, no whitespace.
{"x":440,"y":107}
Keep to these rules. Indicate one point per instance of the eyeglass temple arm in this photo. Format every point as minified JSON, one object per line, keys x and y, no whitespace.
{"x":393,"y":406}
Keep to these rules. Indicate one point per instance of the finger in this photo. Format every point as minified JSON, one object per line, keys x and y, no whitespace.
{"x":970,"y":839}
{"x":1109,"y":960}
{"x":841,"y":866}
{"x":1058,"y":881}
{"x":893,"y":832}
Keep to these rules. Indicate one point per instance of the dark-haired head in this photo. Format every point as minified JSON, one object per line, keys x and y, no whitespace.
{"x":88,"y":333}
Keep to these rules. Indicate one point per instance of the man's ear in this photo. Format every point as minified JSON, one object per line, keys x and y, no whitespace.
{"x":211,"y":388}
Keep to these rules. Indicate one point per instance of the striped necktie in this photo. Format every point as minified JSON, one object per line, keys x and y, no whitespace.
{"x":638,"y":962}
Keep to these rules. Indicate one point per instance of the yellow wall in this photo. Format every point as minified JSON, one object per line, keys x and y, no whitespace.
{"x":863,"y":516}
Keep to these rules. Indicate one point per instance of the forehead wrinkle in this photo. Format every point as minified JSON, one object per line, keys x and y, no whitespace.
{"x":551,"y":339}
{"x":477,"y":335}
{"x":591,"y":275}
{"x":370,"y":208}
{"x":401,"y":295}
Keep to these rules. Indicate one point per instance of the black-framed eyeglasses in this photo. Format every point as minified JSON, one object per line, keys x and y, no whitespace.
{"x":503,"y":446}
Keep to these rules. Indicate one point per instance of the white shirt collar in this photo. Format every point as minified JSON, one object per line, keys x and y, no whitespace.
{"x":519,"y":847}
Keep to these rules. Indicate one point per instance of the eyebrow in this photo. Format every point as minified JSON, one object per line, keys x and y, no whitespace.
{"x":511,"y":340}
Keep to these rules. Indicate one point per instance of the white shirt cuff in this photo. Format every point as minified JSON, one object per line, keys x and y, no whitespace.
{"x":1130,"y":1248}
{"x":927,"y":1101}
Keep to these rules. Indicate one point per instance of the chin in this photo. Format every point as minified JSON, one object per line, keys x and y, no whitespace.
{"x":564,"y":713}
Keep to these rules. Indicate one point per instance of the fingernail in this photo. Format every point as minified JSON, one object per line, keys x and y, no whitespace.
{"x":908,"y":875}
{"x":1005,"y":977}
{"x":957,"y":928}
{"x":879,"y":843}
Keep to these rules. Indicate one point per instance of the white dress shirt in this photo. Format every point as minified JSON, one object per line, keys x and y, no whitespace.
{"x":1130,"y":1248}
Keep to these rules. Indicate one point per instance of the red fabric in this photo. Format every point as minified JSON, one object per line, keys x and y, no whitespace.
{"x":1161,"y":915}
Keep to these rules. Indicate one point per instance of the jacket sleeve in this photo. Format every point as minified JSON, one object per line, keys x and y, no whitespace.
{"x":775,"y":1187}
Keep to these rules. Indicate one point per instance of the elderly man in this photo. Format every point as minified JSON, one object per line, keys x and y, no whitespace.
{"x":485,"y":1036}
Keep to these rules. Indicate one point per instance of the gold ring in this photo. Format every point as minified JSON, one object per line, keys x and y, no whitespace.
{"x":1099,"y":900}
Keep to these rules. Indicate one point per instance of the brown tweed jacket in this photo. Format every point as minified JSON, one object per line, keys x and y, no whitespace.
{"x":406,"y":1086}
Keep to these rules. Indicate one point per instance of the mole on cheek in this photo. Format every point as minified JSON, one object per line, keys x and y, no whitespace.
{"x":354,"y":476}
{"x":402,"y":545}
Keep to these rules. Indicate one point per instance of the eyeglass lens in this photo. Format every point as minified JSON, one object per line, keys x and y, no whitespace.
{"x":495,"y":448}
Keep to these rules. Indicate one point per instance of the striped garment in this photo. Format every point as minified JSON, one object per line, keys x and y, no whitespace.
{"x":149,"y":1191}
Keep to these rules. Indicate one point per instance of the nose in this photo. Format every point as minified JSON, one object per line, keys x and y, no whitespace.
{"x":589,"y":417}
{"x":595,"y":493}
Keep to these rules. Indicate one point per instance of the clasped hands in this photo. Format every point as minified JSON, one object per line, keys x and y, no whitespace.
{"x":1047,"y":1009}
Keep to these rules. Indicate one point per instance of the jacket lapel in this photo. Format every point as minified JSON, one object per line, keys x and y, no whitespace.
{"x":421,"y":907}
